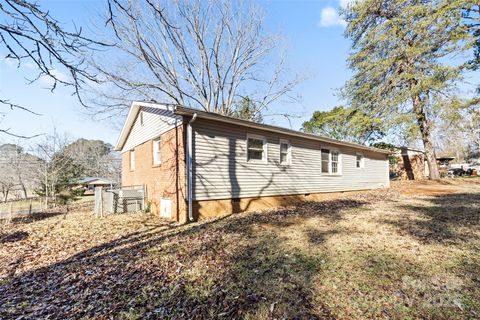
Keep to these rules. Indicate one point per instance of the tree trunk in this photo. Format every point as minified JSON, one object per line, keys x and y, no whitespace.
{"x":24,"y":189}
{"x":424,"y":127}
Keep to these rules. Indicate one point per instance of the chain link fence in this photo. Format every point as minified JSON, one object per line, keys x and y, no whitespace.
{"x":21,"y":207}
{"x":119,"y":200}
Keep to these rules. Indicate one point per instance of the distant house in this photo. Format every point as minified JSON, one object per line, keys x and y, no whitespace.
{"x":410,"y":164}
{"x":90,"y":183}
{"x":197,"y":164}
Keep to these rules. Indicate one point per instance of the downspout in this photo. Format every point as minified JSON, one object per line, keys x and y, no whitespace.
{"x":189,"y":167}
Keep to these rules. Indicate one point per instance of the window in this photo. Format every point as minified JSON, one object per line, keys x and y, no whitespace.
{"x":132,"y":160}
{"x":285,"y":152}
{"x":256,"y":148}
{"x":359,"y":161}
{"x":156,"y":152}
{"x":330,"y":161}
{"x":325,"y":160}
{"x":334,"y":161}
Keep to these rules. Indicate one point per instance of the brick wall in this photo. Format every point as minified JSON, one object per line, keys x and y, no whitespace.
{"x":167,"y":180}
{"x":410,"y":167}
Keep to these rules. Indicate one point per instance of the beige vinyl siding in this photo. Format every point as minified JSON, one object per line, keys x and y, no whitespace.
{"x":221,"y":169}
{"x":155,"y":122}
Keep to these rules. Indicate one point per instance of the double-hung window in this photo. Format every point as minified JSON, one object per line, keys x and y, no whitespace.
{"x":330,"y":161}
{"x":156,"y":152}
{"x":256,"y":148}
{"x":325,"y":160}
{"x":285,"y":152}
{"x":360,"y":161}
{"x":334,"y":162}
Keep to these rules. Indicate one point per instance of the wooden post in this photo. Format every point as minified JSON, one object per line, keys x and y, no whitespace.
{"x":30,"y":207}
{"x":98,"y":207}
{"x":101,"y":203}
{"x":10,"y":211}
{"x":46,"y":187}
{"x":143,"y":197}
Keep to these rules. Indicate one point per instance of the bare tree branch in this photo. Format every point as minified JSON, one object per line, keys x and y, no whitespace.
{"x":7,"y":132}
{"x":202,"y":54}
{"x":31,"y":34}
{"x":17,"y":106}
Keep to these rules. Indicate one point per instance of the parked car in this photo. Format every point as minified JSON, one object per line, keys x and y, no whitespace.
{"x":475,"y":166}
{"x":456,"y":172}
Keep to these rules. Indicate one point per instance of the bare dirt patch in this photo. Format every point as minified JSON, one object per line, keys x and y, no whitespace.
{"x":429,"y":190}
{"x":432,"y":188}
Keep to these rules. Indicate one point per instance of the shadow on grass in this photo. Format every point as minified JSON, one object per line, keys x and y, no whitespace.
{"x":13,"y":237}
{"x":317,"y":237}
{"x":36,"y":216}
{"x":217,"y":269}
{"x":450,"y":218}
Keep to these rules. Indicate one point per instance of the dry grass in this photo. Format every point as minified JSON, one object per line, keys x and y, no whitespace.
{"x":379,"y":254}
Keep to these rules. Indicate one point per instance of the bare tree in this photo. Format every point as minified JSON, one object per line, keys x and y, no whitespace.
{"x":96,"y":157}
{"x":28,"y":33}
{"x":202,"y":54}
{"x":7,"y":182}
{"x":17,"y":171}
{"x":58,"y":165}
{"x":456,"y":126}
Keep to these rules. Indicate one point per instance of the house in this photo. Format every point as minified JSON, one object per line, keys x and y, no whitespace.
{"x":196,"y":164}
{"x":409,"y":164}
{"x":90,"y":183}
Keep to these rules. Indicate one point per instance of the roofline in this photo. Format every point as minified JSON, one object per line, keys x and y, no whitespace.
{"x":184,"y":111}
{"x":410,"y":149}
{"x":130,"y":119}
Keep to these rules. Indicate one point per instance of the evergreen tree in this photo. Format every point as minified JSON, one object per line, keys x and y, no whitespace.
{"x":247,"y":109}
{"x":344,"y":124}
{"x":400,"y":59}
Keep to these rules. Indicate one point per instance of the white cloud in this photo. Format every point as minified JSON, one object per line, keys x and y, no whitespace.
{"x":329,"y":17}
{"x":10,"y":62}
{"x":49,"y":81}
{"x":345,"y":3}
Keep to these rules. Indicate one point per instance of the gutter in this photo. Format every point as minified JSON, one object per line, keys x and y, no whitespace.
{"x":184,"y":111}
{"x":189,"y":167}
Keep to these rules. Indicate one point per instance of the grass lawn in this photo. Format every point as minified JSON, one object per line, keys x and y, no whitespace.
{"x":409,"y":252}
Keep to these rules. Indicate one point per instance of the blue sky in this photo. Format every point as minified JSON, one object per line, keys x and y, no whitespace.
{"x":315,"y":43}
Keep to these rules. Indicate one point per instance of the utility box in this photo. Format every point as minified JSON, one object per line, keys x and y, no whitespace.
{"x":166,"y":208}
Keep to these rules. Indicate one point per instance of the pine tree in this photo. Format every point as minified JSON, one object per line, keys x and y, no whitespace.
{"x":344,"y":124}
{"x":400,"y":59}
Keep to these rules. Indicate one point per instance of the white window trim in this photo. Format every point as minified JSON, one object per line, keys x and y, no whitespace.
{"x":340,"y":167}
{"x":321,"y":161}
{"x":154,"y":142}
{"x":289,"y":152}
{"x":265,"y":148}
{"x":362,"y":161}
